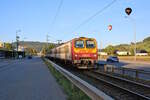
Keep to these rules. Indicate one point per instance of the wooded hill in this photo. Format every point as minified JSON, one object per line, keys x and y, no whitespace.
{"x":34,"y":45}
{"x":143,"y":45}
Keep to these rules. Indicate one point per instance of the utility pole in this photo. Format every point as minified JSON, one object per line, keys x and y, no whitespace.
{"x":24,"y":46}
{"x":128,"y":12}
{"x":47,"y":39}
{"x":12,"y":49}
{"x":100,"y":49}
{"x":17,"y":41}
{"x":59,"y":41}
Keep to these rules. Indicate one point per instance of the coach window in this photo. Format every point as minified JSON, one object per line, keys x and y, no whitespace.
{"x":66,"y":49}
{"x":90,"y":44}
{"x":79,"y":44}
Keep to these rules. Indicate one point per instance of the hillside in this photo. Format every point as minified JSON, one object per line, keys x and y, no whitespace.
{"x":31,"y":44}
{"x":143,"y":45}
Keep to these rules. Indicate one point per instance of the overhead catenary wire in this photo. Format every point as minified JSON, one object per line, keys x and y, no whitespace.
{"x":57,"y":13}
{"x":55,"y":17}
{"x":94,"y":15}
{"x":52,"y":38}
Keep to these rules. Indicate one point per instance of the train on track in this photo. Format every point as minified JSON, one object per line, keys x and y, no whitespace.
{"x":80,"y":52}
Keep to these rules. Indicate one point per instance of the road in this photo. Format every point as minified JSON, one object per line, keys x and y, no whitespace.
{"x":127,"y":64}
{"x":28,"y":79}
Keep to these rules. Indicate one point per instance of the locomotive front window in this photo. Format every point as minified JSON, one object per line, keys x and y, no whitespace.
{"x":90,"y":44}
{"x":79,"y":44}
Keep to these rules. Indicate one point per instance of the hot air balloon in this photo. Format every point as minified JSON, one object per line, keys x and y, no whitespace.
{"x":128,"y":11}
{"x":110,"y":27}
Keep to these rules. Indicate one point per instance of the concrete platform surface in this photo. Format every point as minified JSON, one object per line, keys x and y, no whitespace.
{"x":29,"y":79}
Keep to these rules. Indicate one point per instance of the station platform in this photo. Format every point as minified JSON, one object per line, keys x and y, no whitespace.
{"x":29,"y":79}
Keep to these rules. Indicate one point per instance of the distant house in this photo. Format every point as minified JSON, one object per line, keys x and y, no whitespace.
{"x":123,"y":53}
{"x":142,"y":53}
{"x":102,"y":53}
{"x":21,"y":48}
{"x":1,"y":44}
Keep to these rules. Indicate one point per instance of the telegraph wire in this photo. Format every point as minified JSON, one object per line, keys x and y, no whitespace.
{"x":57,"y":12}
{"x":54,"y":19}
{"x":94,"y":15}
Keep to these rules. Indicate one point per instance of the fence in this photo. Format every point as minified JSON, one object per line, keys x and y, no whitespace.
{"x":134,"y":73}
{"x":11,"y":54}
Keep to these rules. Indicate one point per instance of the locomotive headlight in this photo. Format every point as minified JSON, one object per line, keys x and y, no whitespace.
{"x":95,"y":55}
{"x":76,"y":55}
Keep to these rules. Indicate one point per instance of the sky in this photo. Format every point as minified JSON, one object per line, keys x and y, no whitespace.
{"x":35,"y":19}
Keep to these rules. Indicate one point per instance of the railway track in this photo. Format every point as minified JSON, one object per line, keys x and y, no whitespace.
{"x":128,"y":89}
{"x":116,"y":87}
{"x":91,"y":91}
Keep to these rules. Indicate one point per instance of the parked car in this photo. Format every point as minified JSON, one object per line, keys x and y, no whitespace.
{"x":112,"y":59}
{"x":29,"y":57}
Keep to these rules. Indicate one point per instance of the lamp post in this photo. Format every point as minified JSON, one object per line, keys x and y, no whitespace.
{"x":17,"y":41}
{"x":12,"y":49}
{"x":47,"y":40}
{"x":128,"y":12}
{"x":24,"y":46}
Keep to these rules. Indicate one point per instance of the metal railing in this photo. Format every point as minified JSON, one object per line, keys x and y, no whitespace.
{"x":88,"y":89}
{"x":134,"y":73}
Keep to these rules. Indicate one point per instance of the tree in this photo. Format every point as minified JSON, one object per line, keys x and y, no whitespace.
{"x":8,"y":46}
{"x":131,"y":49}
{"x":34,"y":52}
{"x":46,"y":49}
{"x":110,"y":50}
{"x":146,"y":39}
{"x":51,"y":46}
{"x":43,"y":51}
{"x":30,"y":51}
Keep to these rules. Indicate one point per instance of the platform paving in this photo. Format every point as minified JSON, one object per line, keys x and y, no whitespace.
{"x":29,"y":79}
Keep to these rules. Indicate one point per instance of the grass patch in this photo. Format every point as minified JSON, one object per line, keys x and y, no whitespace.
{"x":138,"y":58}
{"x":73,"y":92}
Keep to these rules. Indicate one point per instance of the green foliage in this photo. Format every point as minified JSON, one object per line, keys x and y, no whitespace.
{"x":146,"y":39}
{"x":51,"y":46}
{"x":122,"y":47}
{"x":30,"y":51}
{"x":47,"y":48}
{"x":8,"y":46}
{"x":110,"y":49}
{"x":43,"y":50}
{"x":31,"y":44}
{"x":131,"y":50}
{"x":145,"y":45}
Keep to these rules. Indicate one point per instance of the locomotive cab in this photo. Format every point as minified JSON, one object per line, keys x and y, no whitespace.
{"x":85,"y":52}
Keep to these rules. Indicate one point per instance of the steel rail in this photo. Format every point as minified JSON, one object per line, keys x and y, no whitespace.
{"x":123,"y":88}
{"x":123,"y":79}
